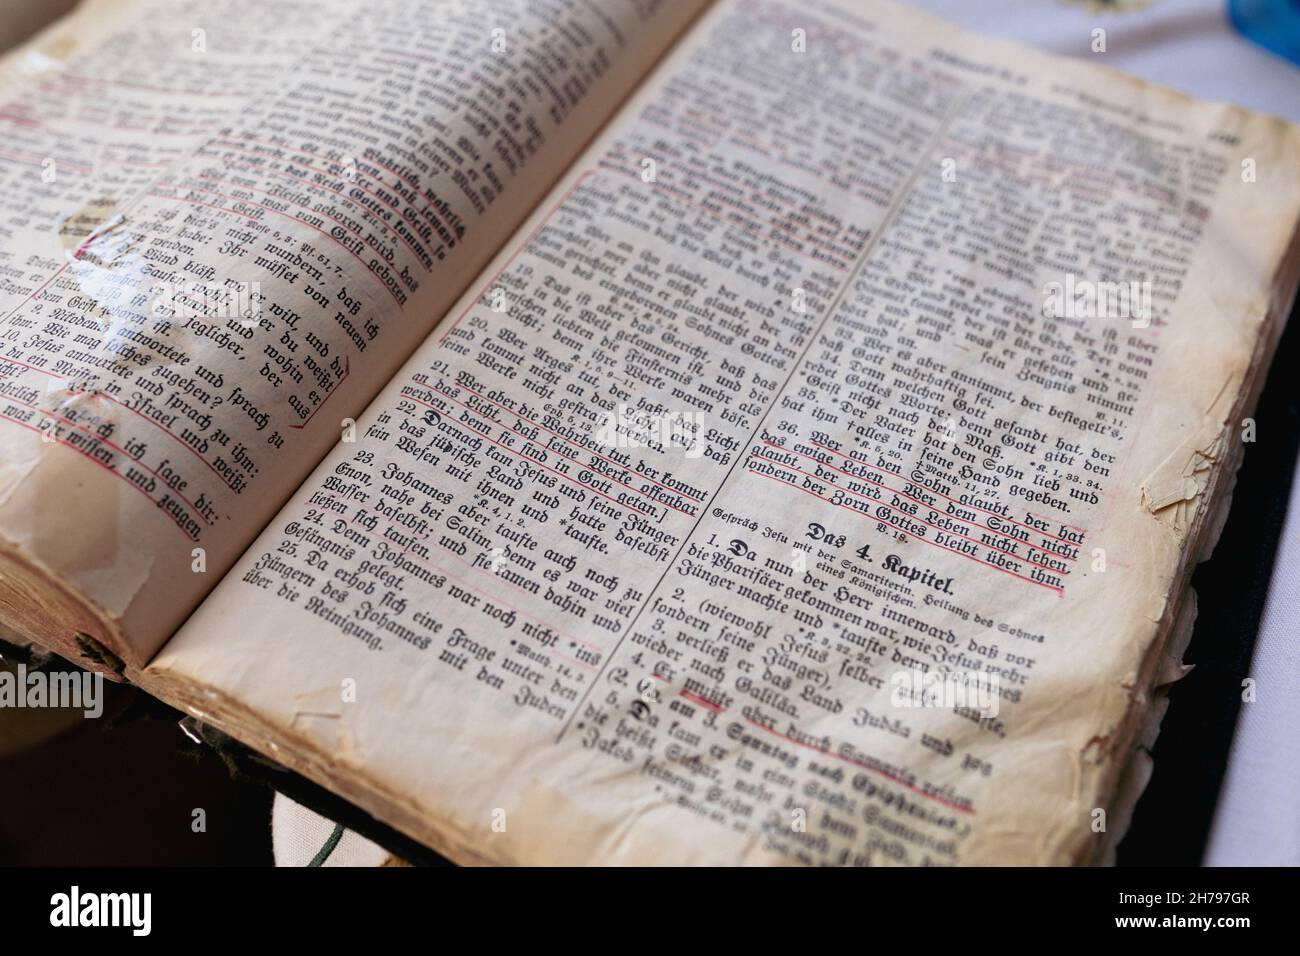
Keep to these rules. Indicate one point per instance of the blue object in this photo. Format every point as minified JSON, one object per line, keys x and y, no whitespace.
{"x":1273,"y":24}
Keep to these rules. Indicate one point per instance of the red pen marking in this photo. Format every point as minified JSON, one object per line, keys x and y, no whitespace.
{"x":866,"y":766}
{"x":1059,"y":591}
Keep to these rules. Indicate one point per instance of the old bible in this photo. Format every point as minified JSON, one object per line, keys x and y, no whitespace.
{"x":645,"y":431}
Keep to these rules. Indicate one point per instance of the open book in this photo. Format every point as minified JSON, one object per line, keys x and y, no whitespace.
{"x":632,"y":431}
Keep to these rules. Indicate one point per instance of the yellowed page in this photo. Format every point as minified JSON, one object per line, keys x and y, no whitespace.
{"x":226,"y":225}
{"x":771,"y":500}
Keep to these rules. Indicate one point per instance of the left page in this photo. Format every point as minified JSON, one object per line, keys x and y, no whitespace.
{"x":222,"y":227}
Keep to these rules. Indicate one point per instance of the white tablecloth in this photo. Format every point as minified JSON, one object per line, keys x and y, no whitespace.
{"x":1186,"y":44}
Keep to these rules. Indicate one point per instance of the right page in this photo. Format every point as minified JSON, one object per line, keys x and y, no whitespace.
{"x":815,"y":479}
